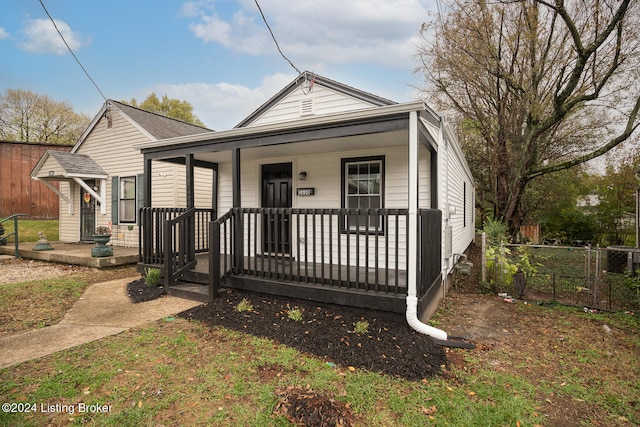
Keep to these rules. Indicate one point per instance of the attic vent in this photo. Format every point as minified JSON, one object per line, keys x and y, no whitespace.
{"x":307,"y":107}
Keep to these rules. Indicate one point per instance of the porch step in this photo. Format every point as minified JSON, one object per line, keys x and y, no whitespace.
{"x":190,"y":291}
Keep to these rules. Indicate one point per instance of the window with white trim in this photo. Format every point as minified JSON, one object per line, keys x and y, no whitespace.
{"x":363,"y":189}
{"x":127,"y":212}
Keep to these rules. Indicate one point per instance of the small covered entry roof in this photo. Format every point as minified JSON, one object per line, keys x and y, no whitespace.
{"x":59,"y":166}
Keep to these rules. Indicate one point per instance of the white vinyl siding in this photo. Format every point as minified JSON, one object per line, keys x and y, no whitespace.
{"x":112,"y":150}
{"x":324,"y":175}
{"x":320,"y":100}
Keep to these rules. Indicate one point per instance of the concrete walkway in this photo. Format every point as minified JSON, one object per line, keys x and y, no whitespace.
{"x":104,"y":309}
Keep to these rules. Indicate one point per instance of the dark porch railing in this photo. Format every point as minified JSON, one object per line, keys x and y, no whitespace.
{"x":358,"y":249}
{"x":154,"y":222}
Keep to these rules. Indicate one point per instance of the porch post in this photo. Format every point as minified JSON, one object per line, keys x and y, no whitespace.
{"x":238,"y":240}
{"x":147,"y":182}
{"x":214,"y":191}
{"x":190,"y":181}
{"x":412,"y":244}
{"x":191,"y":228}
{"x":145,"y":238}
{"x":235,"y":177}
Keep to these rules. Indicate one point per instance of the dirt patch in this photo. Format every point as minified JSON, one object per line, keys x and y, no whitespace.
{"x":304,"y":407}
{"x":21,"y":270}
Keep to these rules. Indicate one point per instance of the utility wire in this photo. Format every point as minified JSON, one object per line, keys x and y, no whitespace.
{"x":71,"y":51}
{"x":274,"y":39}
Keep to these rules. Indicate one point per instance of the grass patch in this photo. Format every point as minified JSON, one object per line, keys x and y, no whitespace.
{"x":28,"y":230}
{"x":180,"y":373}
{"x":554,"y":366}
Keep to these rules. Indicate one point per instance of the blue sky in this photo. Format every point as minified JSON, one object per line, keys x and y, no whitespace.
{"x":216,"y":54}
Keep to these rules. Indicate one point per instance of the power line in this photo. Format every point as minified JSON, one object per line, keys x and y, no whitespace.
{"x":274,"y":39}
{"x":71,"y":51}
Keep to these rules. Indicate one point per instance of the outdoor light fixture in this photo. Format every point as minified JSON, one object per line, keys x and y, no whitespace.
{"x":302,"y":176}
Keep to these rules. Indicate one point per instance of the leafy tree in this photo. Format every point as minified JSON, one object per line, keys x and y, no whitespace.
{"x":616,"y":192}
{"x":537,"y":86}
{"x":169,"y":107}
{"x":27,"y":116}
{"x":552,"y":201}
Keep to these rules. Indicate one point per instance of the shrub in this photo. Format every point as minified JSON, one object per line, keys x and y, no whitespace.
{"x":361,"y":327}
{"x":244,"y":305}
{"x":152,"y":276}
{"x":295,"y":314}
{"x":496,"y":232}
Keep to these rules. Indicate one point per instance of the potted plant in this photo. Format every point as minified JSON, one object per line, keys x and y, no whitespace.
{"x":102,"y":236}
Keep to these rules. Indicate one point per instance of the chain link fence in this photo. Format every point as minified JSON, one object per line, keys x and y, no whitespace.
{"x":591,"y":277}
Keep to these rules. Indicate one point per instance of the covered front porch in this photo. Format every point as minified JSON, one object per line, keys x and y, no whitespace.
{"x":356,"y":269}
{"x":332,"y":209}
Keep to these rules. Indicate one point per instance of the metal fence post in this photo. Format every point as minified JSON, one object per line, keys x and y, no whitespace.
{"x":484,"y":257}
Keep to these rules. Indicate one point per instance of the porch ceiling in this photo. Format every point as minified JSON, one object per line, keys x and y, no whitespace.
{"x":348,"y":143}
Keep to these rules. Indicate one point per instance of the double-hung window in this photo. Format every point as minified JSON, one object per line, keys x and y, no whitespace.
{"x":363,"y":183}
{"x":127,"y":199}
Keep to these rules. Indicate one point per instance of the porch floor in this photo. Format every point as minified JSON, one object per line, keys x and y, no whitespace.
{"x":72,"y":253}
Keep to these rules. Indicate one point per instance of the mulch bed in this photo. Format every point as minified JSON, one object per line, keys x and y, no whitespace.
{"x":139,"y":292}
{"x":327,"y":331}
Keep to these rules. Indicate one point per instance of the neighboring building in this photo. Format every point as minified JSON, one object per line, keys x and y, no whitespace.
{"x":18,"y":193}
{"x":325,"y":193}
{"x":100,"y":179}
{"x":588,"y":201}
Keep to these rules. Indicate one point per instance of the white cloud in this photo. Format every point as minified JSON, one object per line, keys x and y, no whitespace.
{"x":221,"y":106}
{"x":40,"y":36}
{"x":3,"y":34}
{"x":331,"y":31}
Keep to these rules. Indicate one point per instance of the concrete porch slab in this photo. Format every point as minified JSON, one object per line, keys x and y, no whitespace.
{"x":73,"y":253}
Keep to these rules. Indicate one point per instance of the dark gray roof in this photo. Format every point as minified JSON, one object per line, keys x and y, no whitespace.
{"x":161,"y":127}
{"x":77,"y":164}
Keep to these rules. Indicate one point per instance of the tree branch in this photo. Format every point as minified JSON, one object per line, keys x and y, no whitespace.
{"x":629,"y":129}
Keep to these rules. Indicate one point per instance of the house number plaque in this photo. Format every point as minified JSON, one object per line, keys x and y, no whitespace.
{"x":305,"y":191}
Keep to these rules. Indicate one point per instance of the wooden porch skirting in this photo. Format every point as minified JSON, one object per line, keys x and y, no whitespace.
{"x":323,"y":286}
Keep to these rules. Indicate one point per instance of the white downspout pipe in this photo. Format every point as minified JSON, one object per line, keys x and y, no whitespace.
{"x":412,"y":244}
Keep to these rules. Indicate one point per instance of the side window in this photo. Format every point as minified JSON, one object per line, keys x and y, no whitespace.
{"x":127,"y":205}
{"x":363,"y":183}
{"x":464,"y":209}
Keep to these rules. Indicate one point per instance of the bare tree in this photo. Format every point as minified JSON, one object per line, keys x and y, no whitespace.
{"x":538,"y":86}
{"x":27,"y":116}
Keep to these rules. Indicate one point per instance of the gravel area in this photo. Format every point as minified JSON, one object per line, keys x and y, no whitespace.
{"x":22,"y":270}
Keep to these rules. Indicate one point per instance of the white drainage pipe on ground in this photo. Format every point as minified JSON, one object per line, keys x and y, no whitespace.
{"x":417,"y":325}
{"x":412,"y":262}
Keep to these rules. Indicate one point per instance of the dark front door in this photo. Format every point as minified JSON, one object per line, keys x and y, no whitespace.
{"x":276,"y":193}
{"x":87,"y":214}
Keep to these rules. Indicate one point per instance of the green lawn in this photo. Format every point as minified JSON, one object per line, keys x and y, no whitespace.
{"x":28,"y":229}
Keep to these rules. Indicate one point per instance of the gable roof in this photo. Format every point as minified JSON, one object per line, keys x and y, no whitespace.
{"x":312,"y":79}
{"x":159,"y":126}
{"x":154,"y":126}
{"x":71,"y":165}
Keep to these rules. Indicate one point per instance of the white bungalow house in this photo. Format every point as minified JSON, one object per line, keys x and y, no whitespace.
{"x":325,"y":192}
{"x":101,"y":177}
